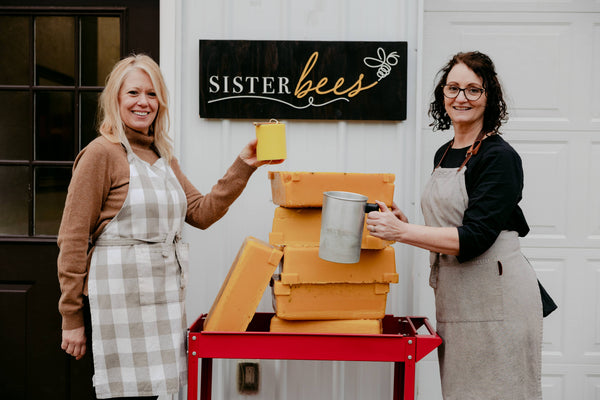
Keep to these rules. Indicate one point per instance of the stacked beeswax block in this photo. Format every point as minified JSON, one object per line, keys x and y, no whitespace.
{"x":243,"y":287}
{"x":314,"y":295}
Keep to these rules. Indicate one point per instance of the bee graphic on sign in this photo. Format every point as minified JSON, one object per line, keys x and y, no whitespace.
{"x":384,"y":63}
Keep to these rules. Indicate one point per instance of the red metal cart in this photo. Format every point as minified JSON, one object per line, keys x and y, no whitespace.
{"x":400,"y":343}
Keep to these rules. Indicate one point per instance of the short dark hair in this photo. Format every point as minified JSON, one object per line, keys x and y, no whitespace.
{"x":482,"y":65}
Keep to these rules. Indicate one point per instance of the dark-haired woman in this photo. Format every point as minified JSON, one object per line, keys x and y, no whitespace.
{"x":488,"y":305}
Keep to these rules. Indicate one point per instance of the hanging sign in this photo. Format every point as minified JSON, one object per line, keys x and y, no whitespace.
{"x":303,"y":80}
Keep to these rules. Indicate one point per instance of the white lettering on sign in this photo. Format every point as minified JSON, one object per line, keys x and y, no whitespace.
{"x":249,"y":84}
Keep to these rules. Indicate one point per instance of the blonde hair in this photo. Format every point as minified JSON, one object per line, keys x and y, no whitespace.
{"x":111,"y":125}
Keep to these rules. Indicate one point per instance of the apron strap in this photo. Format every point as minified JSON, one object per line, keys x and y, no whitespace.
{"x":444,"y":155}
{"x":171,"y":237}
{"x":124,"y":242}
{"x":472,"y":150}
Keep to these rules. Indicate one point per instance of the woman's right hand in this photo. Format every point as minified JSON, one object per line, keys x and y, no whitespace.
{"x":73,"y":342}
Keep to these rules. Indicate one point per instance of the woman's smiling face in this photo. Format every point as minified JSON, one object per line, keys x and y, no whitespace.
{"x":461,"y":110}
{"x":138,"y":104}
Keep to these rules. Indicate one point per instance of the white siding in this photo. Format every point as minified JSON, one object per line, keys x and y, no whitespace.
{"x":207,"y":147}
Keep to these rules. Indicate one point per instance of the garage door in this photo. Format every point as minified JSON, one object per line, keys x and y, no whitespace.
{"x":548,"y":58}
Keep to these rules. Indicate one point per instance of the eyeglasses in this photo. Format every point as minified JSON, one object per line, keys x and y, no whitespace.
{"x":471,"y":93}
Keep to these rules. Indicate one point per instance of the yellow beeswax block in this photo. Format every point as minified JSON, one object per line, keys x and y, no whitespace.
{"x":305,"y":189}
{"x":330,"y":301}
{"x":242,"y":290}
{"x":303,"y":265}
{"x":271,"y":141}
{"x":302,"y":227}
{"x":350,"y":326}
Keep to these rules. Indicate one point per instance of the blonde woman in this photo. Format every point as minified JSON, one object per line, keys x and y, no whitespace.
{"x":122,"y":266}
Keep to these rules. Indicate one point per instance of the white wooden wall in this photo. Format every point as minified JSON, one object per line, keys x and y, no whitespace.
{"x":207,"y":147}
{"x":548,"y":56}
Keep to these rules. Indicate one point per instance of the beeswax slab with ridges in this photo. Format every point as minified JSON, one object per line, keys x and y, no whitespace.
{"x":303,"y":265}
{"x":305,"y":189}
{"x":350,"y":326}
{"x":330,"y":301}
{"x":302,"y":227}
{"x":243,"y":287}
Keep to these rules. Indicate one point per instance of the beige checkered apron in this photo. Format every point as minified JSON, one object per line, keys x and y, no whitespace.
{"x":136,"y":288}
{"x":488,"y":309}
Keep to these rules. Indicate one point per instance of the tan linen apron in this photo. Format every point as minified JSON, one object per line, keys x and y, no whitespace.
{"x":136,"y":288}
{"x":488,"y":310}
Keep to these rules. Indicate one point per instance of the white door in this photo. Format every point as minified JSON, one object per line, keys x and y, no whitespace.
{"x":547,"y":55}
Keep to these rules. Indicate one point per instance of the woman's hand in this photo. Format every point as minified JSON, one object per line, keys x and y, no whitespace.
{"x":397,"y":212}
{"x":248,"y":155}
{"x":73,"y":342}
{"x":393,"y":225}
{"x":386,"y":224}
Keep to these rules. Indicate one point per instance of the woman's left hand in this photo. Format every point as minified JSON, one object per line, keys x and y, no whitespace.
{"x":248,"y":155}
{"x":386,"y":224}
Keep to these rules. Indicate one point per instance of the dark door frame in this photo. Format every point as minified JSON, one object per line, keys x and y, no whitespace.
{"x":33,"y":365}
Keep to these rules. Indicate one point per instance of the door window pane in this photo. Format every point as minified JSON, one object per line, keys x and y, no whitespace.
{"x":89,"y":108}
{"x":14,"y":50}
{"x":51,"y":185}
{"x":100,"y":48}
{"x":55,"y":136}
{"x":15,"y":123}
{"x":55,"y":51}
{"x":14,"y":215}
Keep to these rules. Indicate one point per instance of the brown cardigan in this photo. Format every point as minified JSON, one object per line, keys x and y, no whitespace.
{"x":97,"y":192}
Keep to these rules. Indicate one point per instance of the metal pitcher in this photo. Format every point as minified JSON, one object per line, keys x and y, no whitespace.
{"x":342,"y":222}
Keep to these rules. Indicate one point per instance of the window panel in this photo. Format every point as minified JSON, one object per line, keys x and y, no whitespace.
{"x":55,"y":51}
{"x":14,"y":50}
{"x":100,"y":48}
{"x":14,"y":214}
{"x":51,"y":185}
{"x":43,"y":52}
{"x":55,"y":136}
{"x":15,"y":120}
{"x":88,"y":106}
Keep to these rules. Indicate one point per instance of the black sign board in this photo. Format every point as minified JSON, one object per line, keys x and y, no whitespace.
{"x":303,"y":80}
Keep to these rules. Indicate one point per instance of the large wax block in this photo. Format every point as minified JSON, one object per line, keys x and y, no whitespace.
{"x":303,"y":265}
{"x":330,"y":301}
{"x":302,"y":227}
{"x":305,"y":189}
{"x":243,"y":287}
{"x":350,"y":326}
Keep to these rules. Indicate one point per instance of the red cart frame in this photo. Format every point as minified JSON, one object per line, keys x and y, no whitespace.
{"x":400,"y":343}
